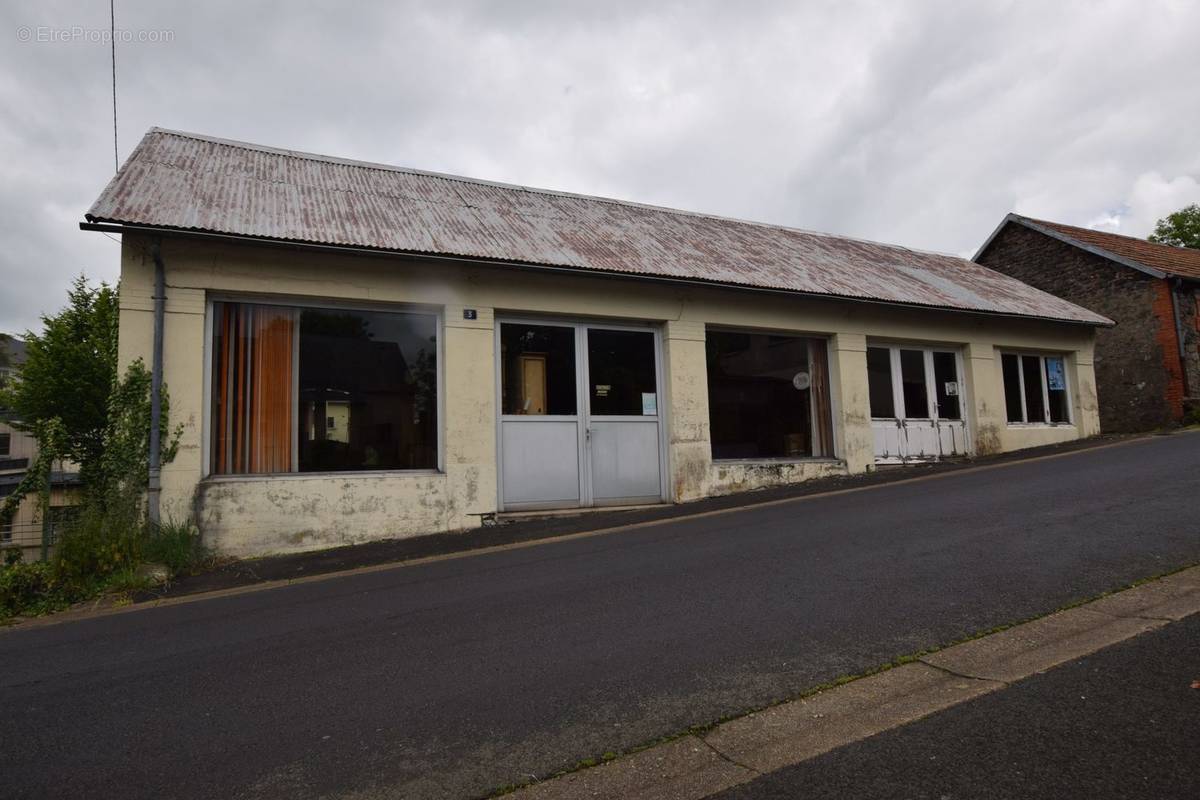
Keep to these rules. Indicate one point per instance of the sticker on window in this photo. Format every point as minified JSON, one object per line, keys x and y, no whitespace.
{"x":649,"y":404}
{"x":1056,"y":380}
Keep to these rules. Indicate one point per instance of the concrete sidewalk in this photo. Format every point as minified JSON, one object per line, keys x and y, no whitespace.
{"x":740,"y":750}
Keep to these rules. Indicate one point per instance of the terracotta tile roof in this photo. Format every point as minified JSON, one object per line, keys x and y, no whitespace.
{"x":1180,"y":261}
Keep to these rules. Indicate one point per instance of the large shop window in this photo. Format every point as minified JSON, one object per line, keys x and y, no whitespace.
{"x":1035,"y":389}
{"x":322,"y":390}
{"x":768,"y":396}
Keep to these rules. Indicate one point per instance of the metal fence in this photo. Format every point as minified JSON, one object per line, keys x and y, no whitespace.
{"x":33,"y":539}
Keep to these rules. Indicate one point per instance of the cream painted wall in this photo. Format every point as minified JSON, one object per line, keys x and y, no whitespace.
{"x":253,"y":515}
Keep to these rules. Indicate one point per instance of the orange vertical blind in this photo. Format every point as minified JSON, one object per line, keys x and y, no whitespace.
{"x":253,"y":377}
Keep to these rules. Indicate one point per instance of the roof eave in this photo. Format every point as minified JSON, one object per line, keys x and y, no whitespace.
{"x":107,"y":225}
{"x":1066,"y":239}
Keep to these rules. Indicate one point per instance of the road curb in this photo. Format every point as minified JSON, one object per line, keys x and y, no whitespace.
{"x":701,"y":764}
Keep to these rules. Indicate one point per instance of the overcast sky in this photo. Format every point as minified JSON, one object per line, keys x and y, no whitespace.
{"x":917,"y":123}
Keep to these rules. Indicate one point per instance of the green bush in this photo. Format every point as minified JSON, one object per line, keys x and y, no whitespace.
{"x":97,"y":543}
{"x":98,"y":552}
{"x":176,"y":545}
{"x":29,"y":588}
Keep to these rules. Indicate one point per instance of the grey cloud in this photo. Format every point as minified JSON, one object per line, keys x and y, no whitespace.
{"x":920,"y":123}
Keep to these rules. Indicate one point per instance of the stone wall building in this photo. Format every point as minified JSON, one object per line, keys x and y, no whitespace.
{"x":1148,"y":364}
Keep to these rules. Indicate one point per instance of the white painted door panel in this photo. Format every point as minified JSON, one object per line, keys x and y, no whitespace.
{"x":920,"y":438}
{"x":540,"y":462}
{"x":887,"y":436}
{"x":624,"y":461}
{"x":952,"y":437}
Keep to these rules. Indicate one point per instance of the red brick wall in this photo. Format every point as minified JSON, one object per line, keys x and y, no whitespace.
{"x":1168,"y":341}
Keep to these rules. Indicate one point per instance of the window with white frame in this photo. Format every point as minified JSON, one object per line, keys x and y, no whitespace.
{"x":322,"y":389}
{"x":1035,"y":389}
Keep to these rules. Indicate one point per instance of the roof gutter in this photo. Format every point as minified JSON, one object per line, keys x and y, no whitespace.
{"x":119,"y":228}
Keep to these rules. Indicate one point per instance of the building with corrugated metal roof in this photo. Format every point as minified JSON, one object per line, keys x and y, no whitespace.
{"x":359,"y":351}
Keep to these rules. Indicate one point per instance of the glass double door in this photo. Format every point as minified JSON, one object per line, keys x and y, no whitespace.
{"x":580,"y":415}
{"x":916,"y":396}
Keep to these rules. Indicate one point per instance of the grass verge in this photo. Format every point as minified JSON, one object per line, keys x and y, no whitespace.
{"x":98,"y":555}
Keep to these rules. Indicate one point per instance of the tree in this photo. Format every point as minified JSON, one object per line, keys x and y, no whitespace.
{"x":68,"y":395}
{"x":1181,"y":229}
{"x":69,"y":372}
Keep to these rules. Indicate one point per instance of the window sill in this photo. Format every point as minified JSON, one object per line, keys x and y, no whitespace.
{"x":1036,"y":425}
{"x":766,"y":462}
{"x":342,"y":474}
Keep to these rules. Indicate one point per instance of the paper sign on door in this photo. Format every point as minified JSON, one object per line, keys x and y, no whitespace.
{"x":649,"y":404}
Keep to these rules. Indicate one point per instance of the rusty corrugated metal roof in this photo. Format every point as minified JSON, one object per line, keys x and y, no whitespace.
{"x":185,"y":181}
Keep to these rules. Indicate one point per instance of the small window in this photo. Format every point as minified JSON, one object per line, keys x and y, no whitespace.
{"x":6,"y":531}
{"x":620,"y":372}
{"x":1056,"y":389}
{"x":879,"y":382}
{"x":1012,"y":387}
{"x":768,"y":396}
{"x":945,"y":381}
{"x":1035,"y":389}
{"x":1035,"y":407}
{"x":912,"y":378}
{"x":537,"y":373}
{"x":5,"y":444}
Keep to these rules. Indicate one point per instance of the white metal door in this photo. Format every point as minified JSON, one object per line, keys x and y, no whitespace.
{"x":539,"y":416}
{"x":579,"y":414}
{"x":623,"y":435}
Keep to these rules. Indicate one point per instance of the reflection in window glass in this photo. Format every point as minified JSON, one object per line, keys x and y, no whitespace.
{"x":879,"y":382}
{"x":768,"y":396}
{"x":1012,"y":387}
{"x":912,"y":375}
{"x":368,"y":390}
{"x":302,"y":390}
{"x":1035,"y":407}
{"x":537,"y":369}
{"x":621,"y":374}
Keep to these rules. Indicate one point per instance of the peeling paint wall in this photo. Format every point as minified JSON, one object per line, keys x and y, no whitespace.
{"x":253,"y":515}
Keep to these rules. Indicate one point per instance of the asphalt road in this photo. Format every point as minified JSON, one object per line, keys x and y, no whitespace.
{"x":451,"y":678}
{"x":1121,"y":723}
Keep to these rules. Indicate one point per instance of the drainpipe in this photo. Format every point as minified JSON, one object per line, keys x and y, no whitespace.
{"x":154,"y":485}
{"x":1172,"y":287}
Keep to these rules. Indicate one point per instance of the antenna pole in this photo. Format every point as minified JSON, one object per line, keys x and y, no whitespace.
{"x":112,"y":23}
